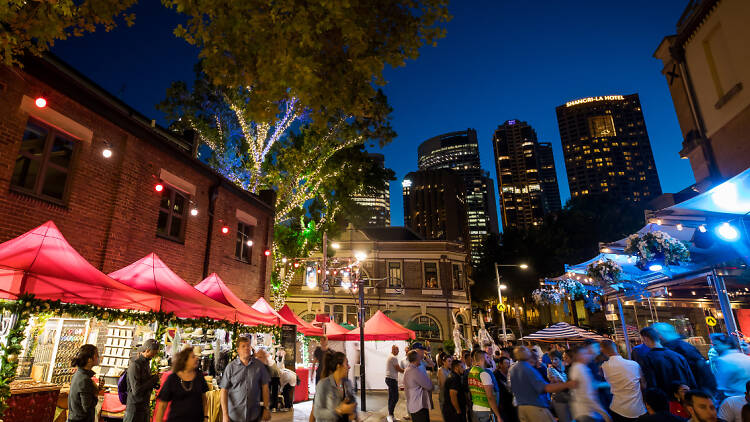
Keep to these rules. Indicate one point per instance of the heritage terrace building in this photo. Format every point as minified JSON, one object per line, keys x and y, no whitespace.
{"x":419,"y":283}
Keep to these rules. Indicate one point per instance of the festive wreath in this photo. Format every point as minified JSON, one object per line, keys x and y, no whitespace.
{"x":656,"y":246}
{"x":604,"y":271}
{"x":546,"y":297}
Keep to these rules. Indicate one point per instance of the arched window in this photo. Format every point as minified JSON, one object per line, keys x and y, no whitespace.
{"x":426,"y":328}
{"x":308,"y":316}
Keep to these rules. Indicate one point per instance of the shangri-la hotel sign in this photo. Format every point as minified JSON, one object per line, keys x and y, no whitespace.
{"x":594,"y":99}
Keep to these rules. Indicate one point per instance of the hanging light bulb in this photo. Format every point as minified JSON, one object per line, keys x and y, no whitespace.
{"x":249,"y":243}
{"x":194,"y":212}
{"x":159,"y":187}
{"x":225,"y":230}
{"x":40,"y":102}
{"x":106,"y":152}
{"x":283,"y":260}
{"x":267,"y":252}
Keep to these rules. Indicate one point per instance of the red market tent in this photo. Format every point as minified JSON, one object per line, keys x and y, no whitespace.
{"x":379,"y":328}
{"x":215,"y":288}
{"x":41,"y":262}
{"x":262,"y":306}
{"x":303,"y":326}
{"x":151,"y":274}
{"x":332,"y":329}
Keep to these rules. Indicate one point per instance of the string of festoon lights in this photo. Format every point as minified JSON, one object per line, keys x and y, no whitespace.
{"x":160,"y":187}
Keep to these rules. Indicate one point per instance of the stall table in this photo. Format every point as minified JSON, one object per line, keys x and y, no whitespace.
{"x":302,"y":390}
{"x":31,"y":401}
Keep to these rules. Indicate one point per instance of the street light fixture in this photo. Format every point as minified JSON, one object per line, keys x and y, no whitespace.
{"x":335,"y":245}
{"x":360,"y":256}
{"x":500,"y":288}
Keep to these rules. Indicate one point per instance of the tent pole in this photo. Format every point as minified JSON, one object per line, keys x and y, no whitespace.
{"x":361,"y":288}
{"x":726,"y":306}
{"x":624,"y":326}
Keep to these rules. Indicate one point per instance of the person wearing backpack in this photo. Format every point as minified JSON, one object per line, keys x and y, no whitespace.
{"x":140,"y":383}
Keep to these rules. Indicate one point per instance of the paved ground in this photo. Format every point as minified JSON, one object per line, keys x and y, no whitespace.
{"x":377,"y":406}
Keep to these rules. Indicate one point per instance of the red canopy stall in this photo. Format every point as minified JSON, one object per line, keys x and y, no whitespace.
{"x":378,"y":328}
{"x":303,"y":326}
{"x":262,"y":306}
{"x":151,"y":274}
{"x":215,"y":288}
{"x":41,"y":262}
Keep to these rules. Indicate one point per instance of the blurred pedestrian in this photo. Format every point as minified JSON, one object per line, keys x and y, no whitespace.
{"x":732,"y":366}
{"x":625,"y":379}
{"x":672,"y":340}
{"x":662,"y":366}
{"x":444,"y":371}
{"x":484,"y":389}
{"x":318,"y":357}
{"x":141,"y":382}
{"x":334,"y":396}
{"x":584,"y":401}
{"x":507,"y":409}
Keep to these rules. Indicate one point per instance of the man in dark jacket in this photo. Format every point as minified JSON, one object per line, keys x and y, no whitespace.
{"x":140,"y":383}
{"x":662,"y":366}
{"x":701,"y":371}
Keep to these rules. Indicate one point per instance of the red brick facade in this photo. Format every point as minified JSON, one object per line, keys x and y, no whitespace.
{"x":111,"y":209}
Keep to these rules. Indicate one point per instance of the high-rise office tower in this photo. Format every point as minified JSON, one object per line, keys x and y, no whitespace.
{"x":526,"y":177}
{"x":377,"y":203}
{"x":606,"y":147}
{"x":459,"y":151}
{"x":548,"y":178}
{"x":435,"y":204}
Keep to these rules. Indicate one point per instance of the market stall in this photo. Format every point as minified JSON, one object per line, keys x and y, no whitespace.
{"x":381,"y":333}
{"x":302,"y":326}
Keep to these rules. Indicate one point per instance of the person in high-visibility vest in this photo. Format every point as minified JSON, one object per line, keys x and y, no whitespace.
{"x":484,"y":389}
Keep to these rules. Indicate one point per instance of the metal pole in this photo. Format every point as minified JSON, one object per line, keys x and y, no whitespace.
{"x":361,"y":287}
{"x":502,"y":313}
{"x":624,"y":327}
{"x":726,"y":306}
{"x":323,"y":265}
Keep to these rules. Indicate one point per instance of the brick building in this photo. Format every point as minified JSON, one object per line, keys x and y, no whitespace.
{"x":419,"y":283}
{"x":53,"y":166}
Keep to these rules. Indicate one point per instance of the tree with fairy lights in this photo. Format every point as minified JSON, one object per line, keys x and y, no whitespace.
{"x":314,"y":168}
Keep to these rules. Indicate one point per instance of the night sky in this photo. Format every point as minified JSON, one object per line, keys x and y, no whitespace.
{"x":500,"y":60}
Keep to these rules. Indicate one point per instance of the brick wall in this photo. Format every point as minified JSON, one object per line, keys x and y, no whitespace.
{"x":110,"y":215}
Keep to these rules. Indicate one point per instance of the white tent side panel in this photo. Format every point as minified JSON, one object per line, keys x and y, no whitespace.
{"x":376,"y":355}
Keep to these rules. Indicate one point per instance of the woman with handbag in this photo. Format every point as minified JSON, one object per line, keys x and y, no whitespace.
{"x":334,"y":396}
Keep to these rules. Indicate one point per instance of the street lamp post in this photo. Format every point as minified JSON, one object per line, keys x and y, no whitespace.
{"x":500,"y":288}
{"x":361,"y":256}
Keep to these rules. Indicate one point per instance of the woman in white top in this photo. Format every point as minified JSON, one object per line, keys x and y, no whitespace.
{"x":556,"y":374}
{"x":584,"y":400}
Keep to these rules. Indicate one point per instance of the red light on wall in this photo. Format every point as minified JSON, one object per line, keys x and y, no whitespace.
{"x":296,"y":265}
{"x":40,"y":102}
{"x":225,"y":229}
{"x":267,"y":252}
{"x":159,"y":187}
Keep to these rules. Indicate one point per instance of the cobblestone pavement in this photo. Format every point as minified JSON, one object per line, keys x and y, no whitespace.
{"x":377,"y":406}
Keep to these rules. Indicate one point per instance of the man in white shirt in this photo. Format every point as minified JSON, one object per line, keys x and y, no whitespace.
{"x":626,"y":380}
{"x":584,"y":403}
{"x":392,"y":369}
{"x":731,"y":407}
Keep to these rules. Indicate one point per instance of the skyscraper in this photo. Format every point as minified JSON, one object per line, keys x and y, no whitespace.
{"x":606,"y":147}
{"x":526,"y":177}
{"x":377,"y":203}
{"x":459,"y":151}
{"x":435,"y":205}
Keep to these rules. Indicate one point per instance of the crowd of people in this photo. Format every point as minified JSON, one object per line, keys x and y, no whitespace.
{"x":250,"y":387}
{"x":667,"y":379}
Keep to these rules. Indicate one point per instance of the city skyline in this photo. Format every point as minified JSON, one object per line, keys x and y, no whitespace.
{"x":525,"y":75}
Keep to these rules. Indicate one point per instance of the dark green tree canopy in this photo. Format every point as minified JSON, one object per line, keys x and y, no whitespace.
{"x":567,"y":237}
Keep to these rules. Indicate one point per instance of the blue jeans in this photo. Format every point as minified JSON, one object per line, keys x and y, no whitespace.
{"x":483,"y":416}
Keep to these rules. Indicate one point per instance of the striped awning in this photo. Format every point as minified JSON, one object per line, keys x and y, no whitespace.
{"x":562,"y":331}
{"x":633,"y":333}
